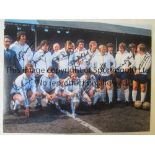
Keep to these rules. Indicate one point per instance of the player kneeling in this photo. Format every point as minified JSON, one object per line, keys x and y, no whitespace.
{"x":24,"y":90}
{"x":88,"y":87}
{"x":72,"y":89}
{"x":47,"y":86}
{"x":142,"y":65}
{"x":60,"y":92}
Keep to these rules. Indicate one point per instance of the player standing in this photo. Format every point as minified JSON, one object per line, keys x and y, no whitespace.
{"x":142,"y":65}
{"x":42,"y":60}
{"x":124,"y":63}
{"x":132,"y":49}
{"x":92,"y":51}
{"x":103,"y":64}
{"x":22,"y":49}
{"x":80,"y":59}
{"x":110,"y":49}
{"x":64,"y":60}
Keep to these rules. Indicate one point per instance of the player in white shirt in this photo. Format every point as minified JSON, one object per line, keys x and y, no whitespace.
{"x":88,"y":87}
{"x":102,"y":66}
{"x":24,"y":90}
{"x":48,"y":83}
{"x":22,"y":49}
{"x":132,"y":49}
{"x":72,"y":89}
{"x":80,"y":57}
{"x":56,"y":47}
{"x":60,"y":92}
{"x":92,"y":51}
{"x":64,"y":60}
{"x":124,"y":63}
{"x":55,"y":51}
{"x":73,"y":44}
{"x":142,"y":65}
{"x":42,"y":60}
{"x":110,"y":48}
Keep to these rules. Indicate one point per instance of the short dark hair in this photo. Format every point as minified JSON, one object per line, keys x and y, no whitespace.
{"x":42,"y":43}
{"x":72,"y":70}
{"x":102,"y":46}
{"x":79,"y":41}
{"x":28,"y":67}
{"x":110,"y":45}
{"x":19,"y":34}
{"x":68,"y":42}
{"x":132,"y":45}
{"x":50,"y":69}
{"x":122,"y":45}
{"x":142,"y":47}
{"x":91,"y":43}
{"x":7,"y":37}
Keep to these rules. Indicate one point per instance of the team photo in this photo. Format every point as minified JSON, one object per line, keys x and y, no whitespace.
{"x":76,"y":77}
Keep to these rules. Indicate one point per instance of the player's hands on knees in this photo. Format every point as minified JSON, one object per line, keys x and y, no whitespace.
{"x":33,"y":97}
{"x":63,"y":94}
{"x":49,"y":97}
{"x":99,"y":90}
{"x":91,"y":93}
{"x":72,"y":94}
{"x":88,"y":100}
{"x":53,"y":96}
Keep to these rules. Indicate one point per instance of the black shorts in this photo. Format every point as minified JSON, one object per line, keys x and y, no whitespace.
{"x":107,"y":78}
{"x":122,"y":75}
{"x":104,"y":78}
{"x":141,"y":78}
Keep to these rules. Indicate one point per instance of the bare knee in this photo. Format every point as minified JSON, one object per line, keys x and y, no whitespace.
{"x":143,"y":87}
{"x":134,"y":86}
{"x":109,"y":85}
{"x":18,"y":97}
{"x":124,"y":84}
